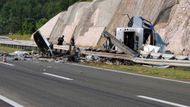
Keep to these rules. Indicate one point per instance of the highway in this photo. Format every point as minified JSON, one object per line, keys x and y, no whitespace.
{"x":45,"y":84}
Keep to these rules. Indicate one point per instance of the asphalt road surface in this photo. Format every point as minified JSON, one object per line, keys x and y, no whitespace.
{"x":42,"y":84}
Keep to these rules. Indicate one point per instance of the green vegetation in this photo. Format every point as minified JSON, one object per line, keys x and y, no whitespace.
{"x":20,"y":37}
{"x":25,"y":16}
{"x":174,"y":73}
{"x":7,"y":49}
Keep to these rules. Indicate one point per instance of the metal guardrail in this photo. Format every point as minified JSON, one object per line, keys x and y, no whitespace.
{"x":178,"y":63}
{"x":108,"y":55}
{"x":19,"y":44}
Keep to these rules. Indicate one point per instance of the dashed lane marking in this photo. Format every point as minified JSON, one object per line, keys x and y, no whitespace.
{"x":162,"y":101}
{"x":57,"y":76}
{"x":11,"y":102}
{"x":5,"y":63}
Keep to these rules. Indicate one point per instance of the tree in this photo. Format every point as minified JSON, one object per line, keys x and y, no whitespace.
{"x":41,"y":22}
{"x":25,"y":16}
{"x":28,"y":26}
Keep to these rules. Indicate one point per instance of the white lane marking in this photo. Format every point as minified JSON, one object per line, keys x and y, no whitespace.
{"x":134,"y":74}
{"x":7,"y":64}
{"x":162,"y":101}
{"x":57,"y":76}
{"x":11,"y":102}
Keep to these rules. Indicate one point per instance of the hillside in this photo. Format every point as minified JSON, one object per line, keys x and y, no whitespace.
{"x":25,"y":16}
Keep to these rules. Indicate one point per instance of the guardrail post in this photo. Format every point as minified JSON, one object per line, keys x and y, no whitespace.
{"x":4,"y":57}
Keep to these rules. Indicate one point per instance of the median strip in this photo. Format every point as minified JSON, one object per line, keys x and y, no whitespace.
{"x":10,"y":102}
{"x":162,"y":101}
{"x":57,"y":76}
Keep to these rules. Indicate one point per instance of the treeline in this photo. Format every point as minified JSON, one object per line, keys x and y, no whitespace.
{"x":25,"y":16}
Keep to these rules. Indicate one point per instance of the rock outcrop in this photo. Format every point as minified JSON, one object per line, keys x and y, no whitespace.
{"x":176,"y":31}
{"x":86,"y":21}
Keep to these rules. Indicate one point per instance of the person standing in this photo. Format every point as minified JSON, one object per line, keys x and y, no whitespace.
{"x":72,"y":46}
{"x":60,"y":40}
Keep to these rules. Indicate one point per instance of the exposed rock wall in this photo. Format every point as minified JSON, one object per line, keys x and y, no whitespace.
{"x":149,"y":9}
{"x":94,"y":19}
{"x":87,"y":20}
{"x":67,"y":21}
{"x":177,"y":30}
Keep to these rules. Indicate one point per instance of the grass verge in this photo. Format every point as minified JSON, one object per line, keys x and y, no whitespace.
{"x":172,"y":73}
{"x":7,"y":49}
{"x":20,"y":37}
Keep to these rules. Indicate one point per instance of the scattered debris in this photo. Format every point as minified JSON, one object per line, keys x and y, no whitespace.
{"x":168,"y":56}
{"x":89,"y":58}
{"x":180,"y":57}
{"x":19,"y":55}
{"x":156,"y":55}
{"x":151,"y":49}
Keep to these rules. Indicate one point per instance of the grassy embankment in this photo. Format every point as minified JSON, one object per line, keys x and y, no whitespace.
{"x":173,"y":73}
{"x":7,"y":49}
{"x":20,"y":37}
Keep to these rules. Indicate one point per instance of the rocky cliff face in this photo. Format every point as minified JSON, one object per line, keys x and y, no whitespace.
{"x":87,"y":20}
{"x":149,"y":9}
{"x":176,"y":31}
